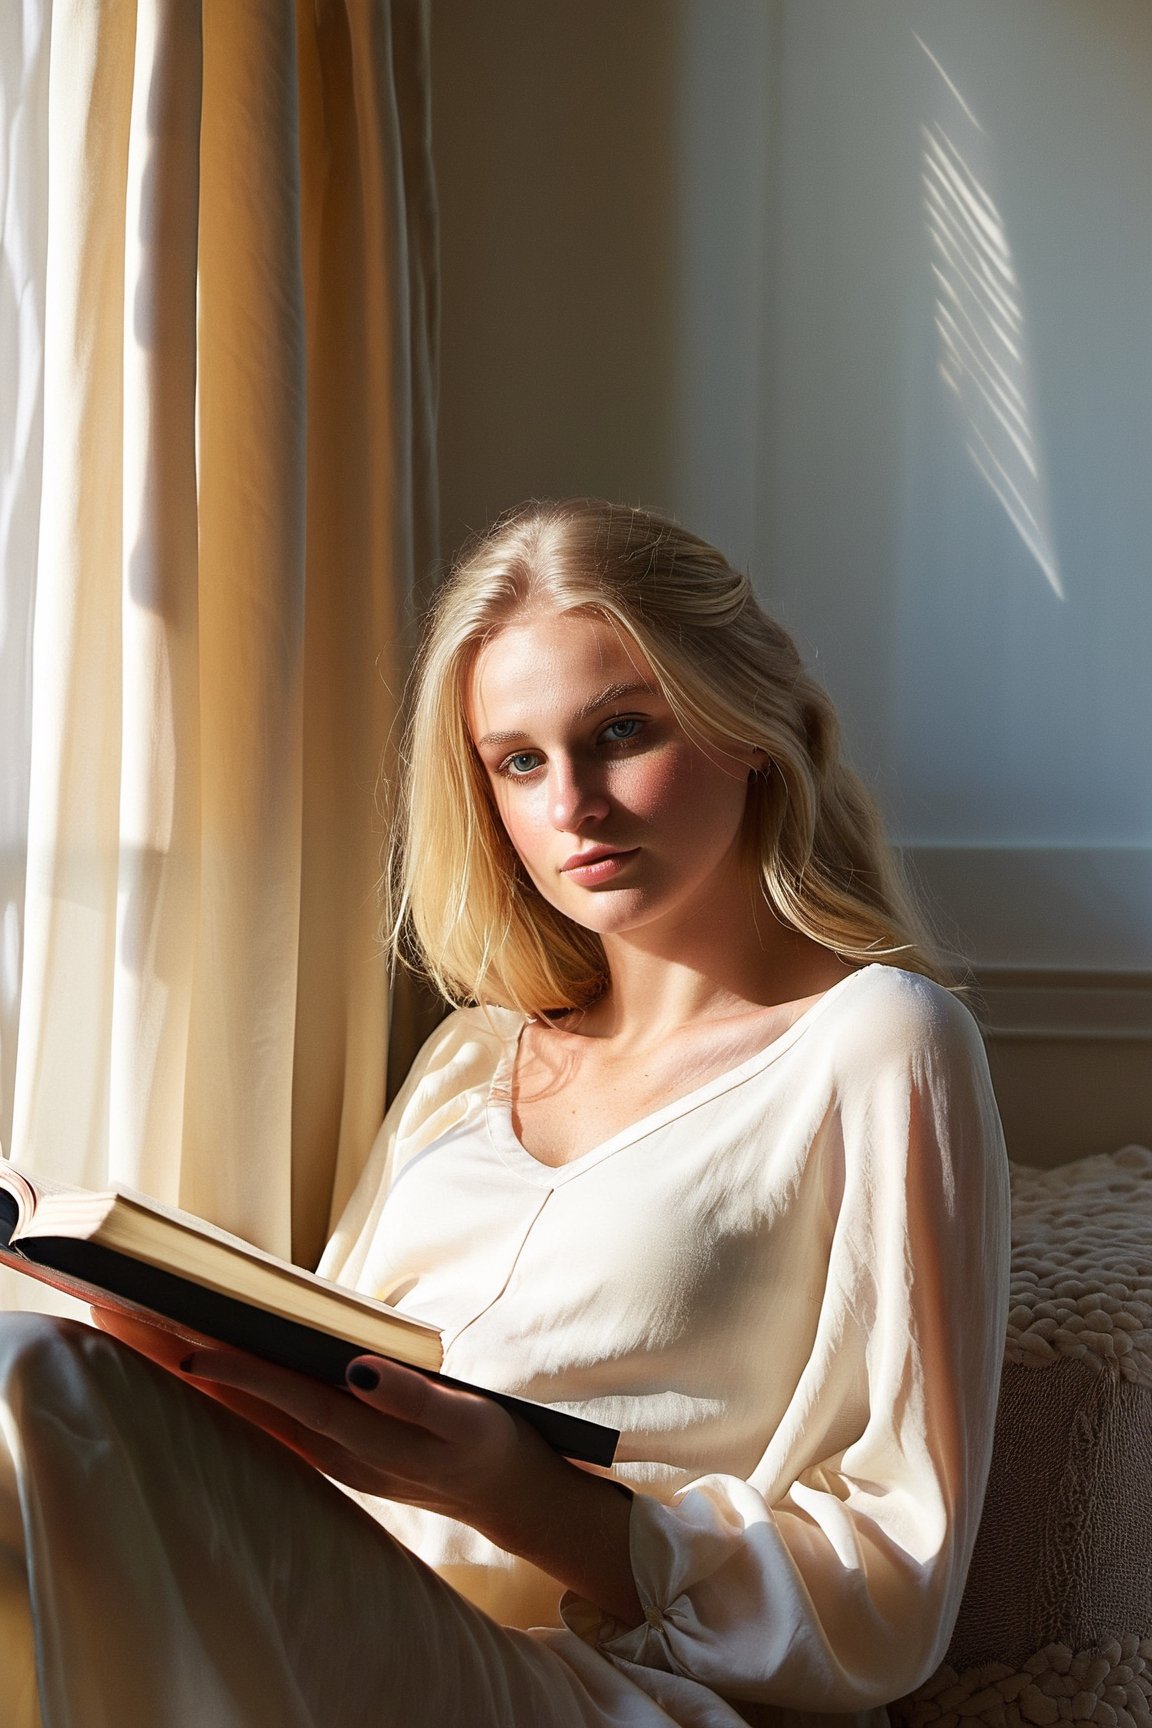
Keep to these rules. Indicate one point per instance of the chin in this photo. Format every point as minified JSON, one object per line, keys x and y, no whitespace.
{"x":614,"y":912}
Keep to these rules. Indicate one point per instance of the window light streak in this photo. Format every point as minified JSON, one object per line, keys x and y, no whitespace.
{"x":1003,"y":478}
{"x":964,"y":261}
{"x":946,"y":288}
{"x":954,"y":313}
{"x":948,"y":377}
{"x":1024,"y":524}
{"x":966,"y":359}
{"x":947,"y":193}
{"x":949,"y":82}
{"x":980,"y":323}
{"x":963,"y":342}
{"x":958,"y":252}
{"x":964,"y":256}
{"x":973,"y":200}
{"x":969,"y":235}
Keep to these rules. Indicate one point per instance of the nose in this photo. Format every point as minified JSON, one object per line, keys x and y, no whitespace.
{"x":574,"y":797}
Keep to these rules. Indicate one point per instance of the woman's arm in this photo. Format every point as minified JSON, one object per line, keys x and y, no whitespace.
{"x":408,"y":1439}
{"x":457,"y":1453}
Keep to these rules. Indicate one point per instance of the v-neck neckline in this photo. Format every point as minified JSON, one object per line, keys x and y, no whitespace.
{"x":515,"y":1154}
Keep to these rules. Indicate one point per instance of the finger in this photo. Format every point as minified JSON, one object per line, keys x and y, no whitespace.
{"x":276,"y":1420}
{"x":319,"y":1450}
{"x":446,"y":1412}
{"x":269,"y":1417}
{"x":364,"y":1445}
{"x":120,"y":1325}
{"x":159,"y":1343}
{"x":320,"y":1408}
{"x":149,"y":1328}
{"x":370,"y":1453}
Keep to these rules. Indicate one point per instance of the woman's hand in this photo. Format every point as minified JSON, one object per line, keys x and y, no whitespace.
{"x":396,"y":1434}
{"x":171,"y":1349}
{"x":392,"y":1433}
{"x":408,"y":1438}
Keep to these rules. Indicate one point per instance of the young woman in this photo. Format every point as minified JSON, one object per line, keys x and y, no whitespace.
{"x":707,"y":1151}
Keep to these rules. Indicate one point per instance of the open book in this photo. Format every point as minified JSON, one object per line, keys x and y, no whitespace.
{"x":118,"y":1249}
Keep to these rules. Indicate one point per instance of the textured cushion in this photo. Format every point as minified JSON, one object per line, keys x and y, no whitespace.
{"x":1082,"y":1264}
{"x":1056,"y":1622}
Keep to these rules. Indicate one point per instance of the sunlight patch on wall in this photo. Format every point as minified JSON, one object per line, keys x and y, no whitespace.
{"x":980,"y":323}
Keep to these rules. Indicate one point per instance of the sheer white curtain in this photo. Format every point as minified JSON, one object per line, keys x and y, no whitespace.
{"x":217,"y":331}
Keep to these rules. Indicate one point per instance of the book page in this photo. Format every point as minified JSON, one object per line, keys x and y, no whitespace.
{"x":104,"y":1215}
{"x":173,"y":1242}
{"x":15,"y":1183}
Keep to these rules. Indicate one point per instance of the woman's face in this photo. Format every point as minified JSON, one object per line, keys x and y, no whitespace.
{"x":619,"y":818}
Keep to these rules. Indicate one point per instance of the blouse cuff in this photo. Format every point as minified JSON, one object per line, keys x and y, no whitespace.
{"x":643,"y":1644}
{"x":650,"y":1529}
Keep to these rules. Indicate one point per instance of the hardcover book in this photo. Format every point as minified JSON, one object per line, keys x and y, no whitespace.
{"x":122,"y":1250}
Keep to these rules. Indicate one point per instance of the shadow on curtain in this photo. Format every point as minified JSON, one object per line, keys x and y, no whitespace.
{"x":215,"y":511}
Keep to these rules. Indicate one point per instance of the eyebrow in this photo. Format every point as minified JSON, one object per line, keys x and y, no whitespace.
{"x":613,"y":693}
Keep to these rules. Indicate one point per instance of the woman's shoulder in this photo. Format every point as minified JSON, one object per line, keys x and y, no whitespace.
{"x":906,"y":1063}
{"x":463,"y":1051}
{"x":453,"y":1069}
{"x":893,"y":1016}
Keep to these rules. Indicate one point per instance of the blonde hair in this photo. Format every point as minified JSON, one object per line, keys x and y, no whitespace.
{"x":461,"y":907}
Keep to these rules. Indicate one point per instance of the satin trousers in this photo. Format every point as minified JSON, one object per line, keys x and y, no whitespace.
{"x":164,"y":1564}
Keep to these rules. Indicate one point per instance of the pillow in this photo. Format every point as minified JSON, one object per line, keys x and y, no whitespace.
{"x":1082,"y":1263}
{"x":1056,"y":1621}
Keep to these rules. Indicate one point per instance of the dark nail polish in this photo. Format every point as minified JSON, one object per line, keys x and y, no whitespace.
{"x":364,"y":1379}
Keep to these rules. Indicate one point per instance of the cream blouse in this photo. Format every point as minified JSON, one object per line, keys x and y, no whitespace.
{"x":787,"y":1289}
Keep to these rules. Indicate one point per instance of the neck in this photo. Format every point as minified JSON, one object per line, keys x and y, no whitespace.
{"x":736,"y":957}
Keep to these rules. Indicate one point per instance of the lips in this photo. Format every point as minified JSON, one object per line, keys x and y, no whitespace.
{"x":595,"y":855}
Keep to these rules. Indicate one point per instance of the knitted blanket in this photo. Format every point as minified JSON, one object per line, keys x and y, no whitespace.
{"x":1056,"y":1622}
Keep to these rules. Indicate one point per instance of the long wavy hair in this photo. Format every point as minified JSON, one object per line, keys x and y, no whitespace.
{"x":460,"y":908}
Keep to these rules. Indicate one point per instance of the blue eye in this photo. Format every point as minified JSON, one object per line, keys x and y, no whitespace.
{"x":522,"y":763}
{"x":623,"y":730}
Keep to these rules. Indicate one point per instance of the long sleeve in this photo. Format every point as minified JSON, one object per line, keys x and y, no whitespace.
{"x":433,"y":1098}
{"x":835,"y":1586}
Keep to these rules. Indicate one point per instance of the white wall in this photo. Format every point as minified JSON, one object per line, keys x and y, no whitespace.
{"x":958,"y":442}
{"x":603,"y":172}
{"x":863,"y":292}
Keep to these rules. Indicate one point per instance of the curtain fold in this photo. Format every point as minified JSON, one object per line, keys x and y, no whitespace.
{"x":237,"y":509}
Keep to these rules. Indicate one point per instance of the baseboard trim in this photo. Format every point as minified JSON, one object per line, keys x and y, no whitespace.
{"x":1042,"y":1002}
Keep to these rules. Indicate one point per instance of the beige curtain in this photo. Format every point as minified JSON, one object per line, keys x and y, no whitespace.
{"x":236,"y":371}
